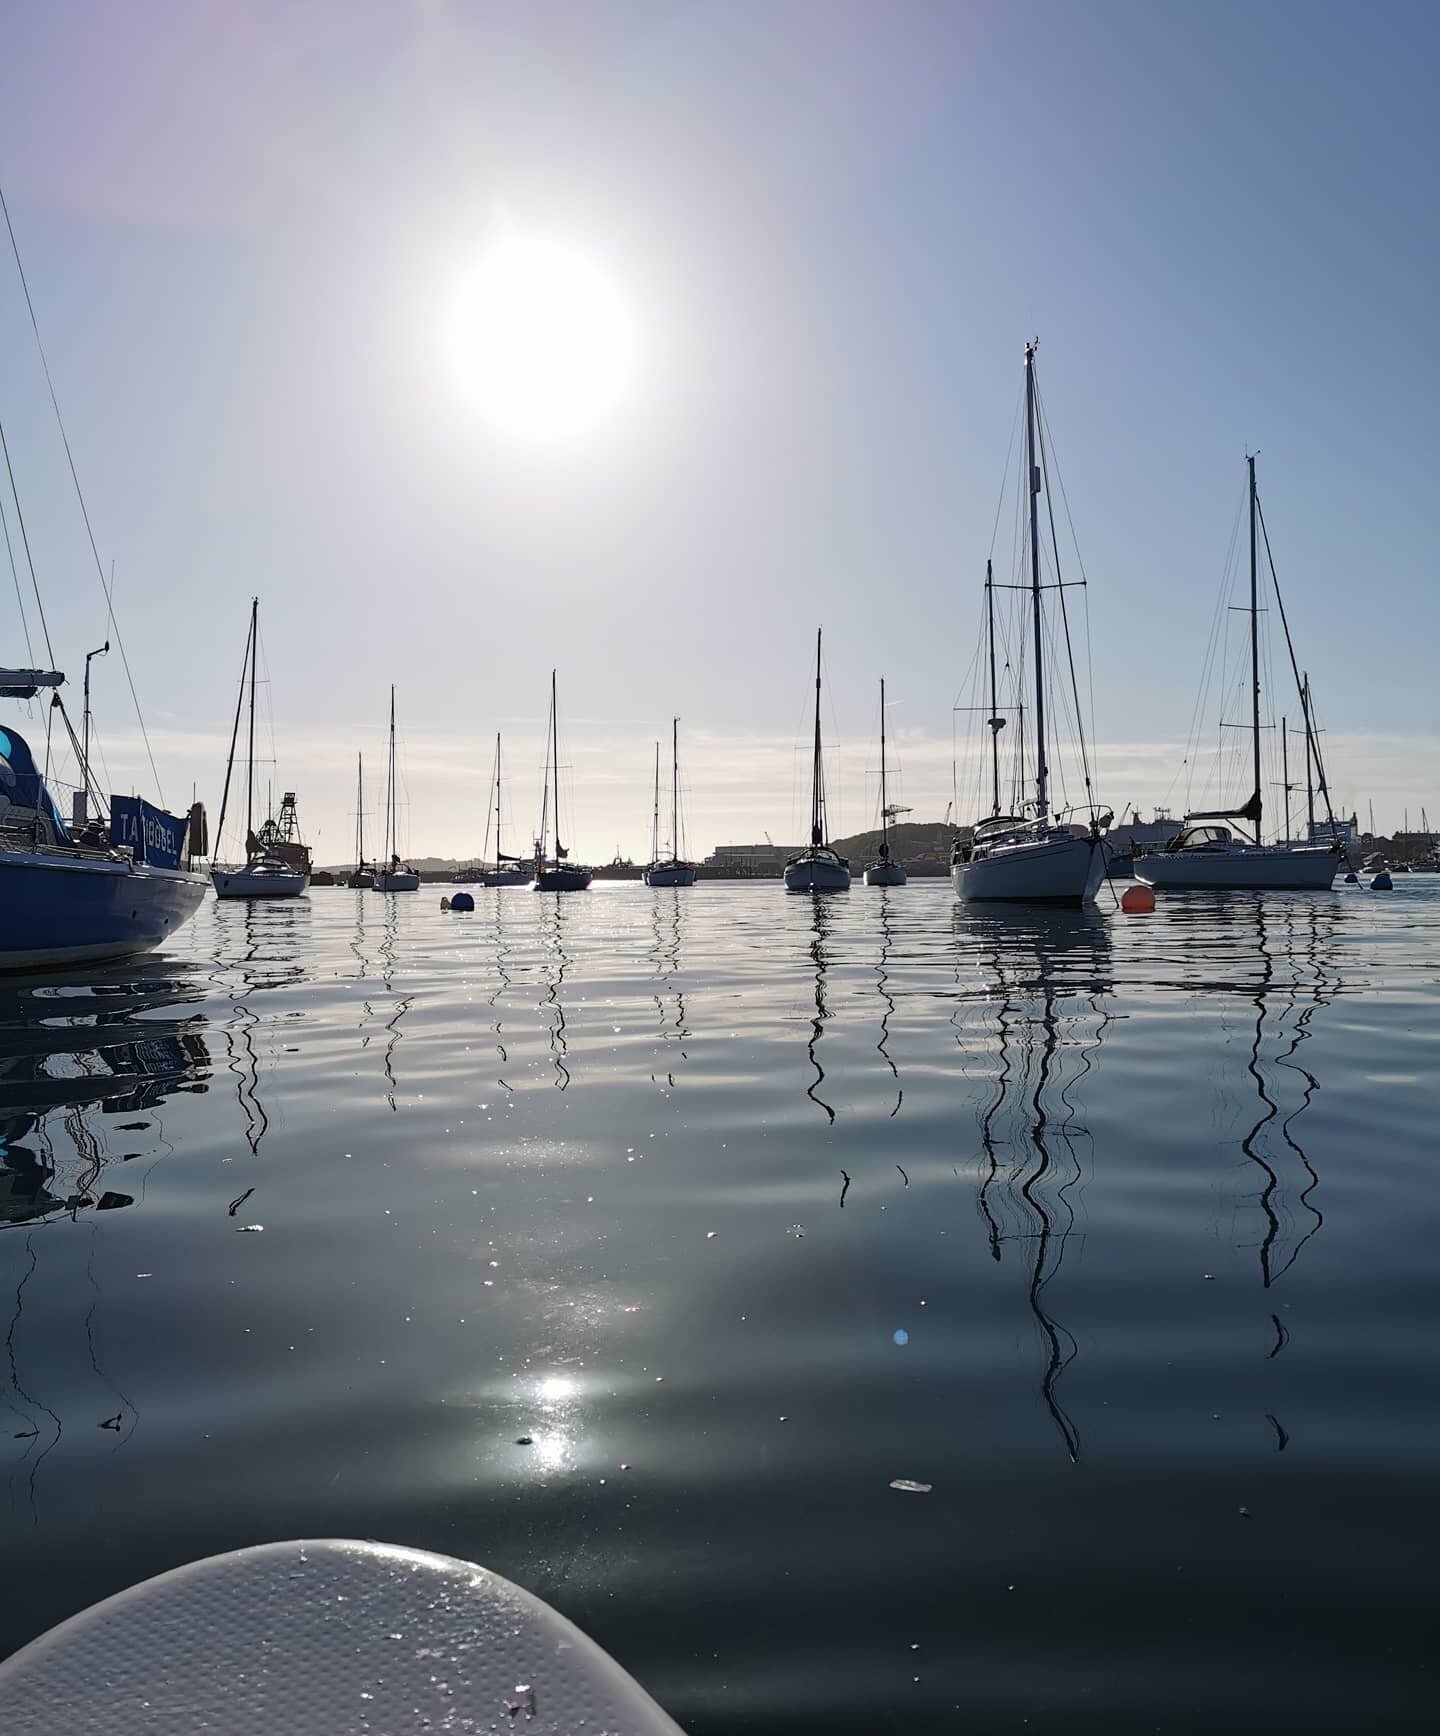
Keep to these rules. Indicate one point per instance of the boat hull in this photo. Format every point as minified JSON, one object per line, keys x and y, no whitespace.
{"x":509,"y":877}
{"x":1051,"y":871}
{"x":257,"y":883}
{"x":885,"y":874}
{"x":562,"y":880}
{"x":61,"y":910}
{"x":670,"y":874}
{"x":397,"y":880}
{"x":817,"y":874}
{"x":1259,"y":868}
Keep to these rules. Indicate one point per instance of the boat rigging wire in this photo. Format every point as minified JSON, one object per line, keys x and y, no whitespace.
{"x":114,"y":625}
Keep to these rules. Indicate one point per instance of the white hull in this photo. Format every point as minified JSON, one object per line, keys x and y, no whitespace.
{"x":670,"y":874}
{"x":885,"y":874}
{"x":1242,"y":868}
{"x":817,"y":874}
{"x":258,"y":882}
{"x":509,"y":877}
{"x":1054,"y":870}
{"x":397,"y":880}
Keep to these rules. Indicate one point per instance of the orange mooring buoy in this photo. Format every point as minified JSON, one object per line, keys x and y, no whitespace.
{"x":1136,"y":900}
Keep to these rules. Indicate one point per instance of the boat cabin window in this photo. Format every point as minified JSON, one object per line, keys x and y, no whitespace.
{"x":1193,"y":835}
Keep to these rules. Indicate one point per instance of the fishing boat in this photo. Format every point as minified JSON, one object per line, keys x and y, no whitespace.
{"x":110,"y":882}
{"x":671,"y":870}
{"x":266,"y":873}
{"x":1035,"y":856}
{"x":1210,"y":852}
{"x":554,"y":873}
{"x":395,"y":876}
{"x":817,"y":868}
{"x":508,"y":870}
{"x":363,"y":879}
{"x":885,"y":872}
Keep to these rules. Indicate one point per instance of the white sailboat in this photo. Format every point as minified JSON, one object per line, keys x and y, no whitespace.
{"x":1034,"y":857}
{"x":817,"y":868}
{"x":395,"y":876}
{"x":885,"y":872}
{"x":266,"y":873}
{"x":671,"y":870}
{"x":1208,"y":854}
{"x":553,"y":873}
{"x":508,"y":870}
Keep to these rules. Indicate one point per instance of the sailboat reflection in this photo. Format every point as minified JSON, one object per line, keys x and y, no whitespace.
{"x":393,"y":1033}
{"x":1285,"y":1010}
{"x":69,"y":1049}
{"x":552,"y":934}
{"x":75,"y":1055}
{"x":821,"y":928}
{"x":882,"y":988}
{"x":1051,"y":973}
{"x":503,"y":983}
{"x":669,"y":996}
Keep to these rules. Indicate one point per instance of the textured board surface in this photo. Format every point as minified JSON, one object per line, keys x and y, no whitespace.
{"x":315,"y":1638}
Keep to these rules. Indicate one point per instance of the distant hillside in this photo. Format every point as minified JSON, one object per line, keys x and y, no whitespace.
{"x":912,"y":840}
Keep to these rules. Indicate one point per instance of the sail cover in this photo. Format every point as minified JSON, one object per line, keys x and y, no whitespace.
{"x":20,"y":780}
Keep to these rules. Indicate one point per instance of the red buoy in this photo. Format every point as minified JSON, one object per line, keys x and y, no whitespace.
{"x":1136,"y":900}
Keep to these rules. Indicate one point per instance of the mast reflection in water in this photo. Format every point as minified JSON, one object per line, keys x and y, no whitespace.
{"x":1050,"y":973}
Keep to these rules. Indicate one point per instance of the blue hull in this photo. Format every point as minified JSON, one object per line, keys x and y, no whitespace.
{"x":59,"y":909}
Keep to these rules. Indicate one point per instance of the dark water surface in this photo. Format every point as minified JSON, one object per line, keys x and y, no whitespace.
{"x":1136,"y":1266}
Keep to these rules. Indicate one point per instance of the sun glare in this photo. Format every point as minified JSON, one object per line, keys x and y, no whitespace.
{"x":541,"y":339}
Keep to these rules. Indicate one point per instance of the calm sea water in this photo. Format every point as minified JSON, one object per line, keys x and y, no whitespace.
{"x":1118,"y":1235}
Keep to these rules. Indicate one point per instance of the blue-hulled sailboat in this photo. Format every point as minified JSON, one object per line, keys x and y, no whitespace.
{"x":99,"y":891}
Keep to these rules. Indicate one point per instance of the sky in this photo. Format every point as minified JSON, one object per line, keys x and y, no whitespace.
{"x":831,"y":227}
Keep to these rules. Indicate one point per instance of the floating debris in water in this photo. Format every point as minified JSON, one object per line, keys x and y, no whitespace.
{"x":908,"y":1486}
{"x":248,"y":1229}
{"x":1244,"y":1512}
{"x":524,"y":1440}
{"x":132,"y":1126}
{"x":113,"y":1423}
{"x":900,"y":1335}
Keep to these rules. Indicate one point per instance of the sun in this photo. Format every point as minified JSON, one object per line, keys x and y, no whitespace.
{"x":541,"y":339}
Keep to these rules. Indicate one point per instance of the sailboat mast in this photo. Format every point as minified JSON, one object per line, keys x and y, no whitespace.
{"x":655,"y":811}
{"x":1309,"y":760}
{"x":1042,"y":771}
{"x":675,"y":789}
{"x":250,"y":769}
{"x":1254,"y":651}
{"x":499,"y":859}
{"x":817,"y":794}
{"x":359,"y":812}
{"x":994,"y":716}
{"x":544,"y":837}
{"x":555,"y":737}
{"x":391,"y":841}
{"x":884,"y":800}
